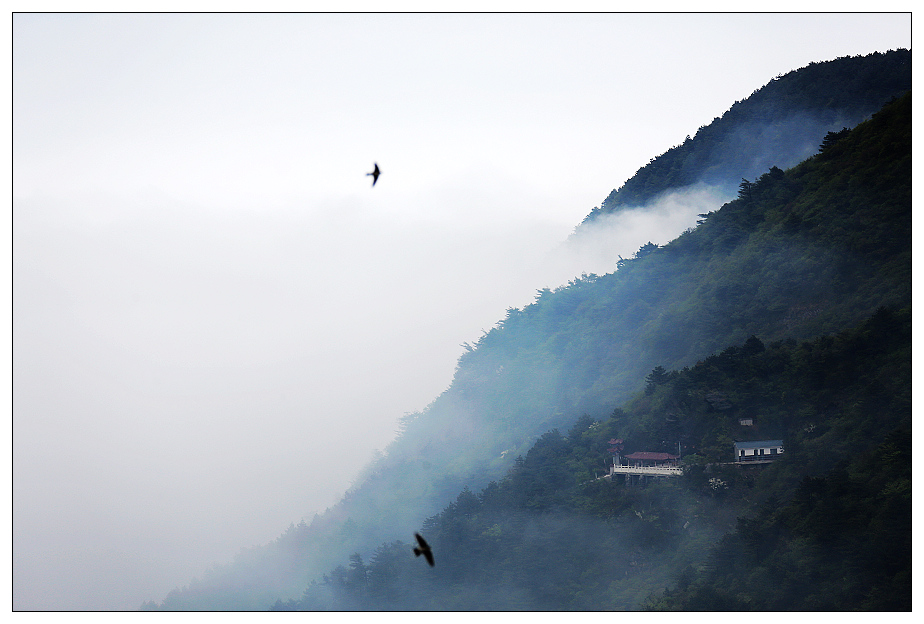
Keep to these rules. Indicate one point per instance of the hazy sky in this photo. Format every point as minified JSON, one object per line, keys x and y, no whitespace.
{"x":217,"y":320}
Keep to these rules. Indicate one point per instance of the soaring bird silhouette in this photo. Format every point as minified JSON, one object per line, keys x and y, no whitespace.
{"x":423,"y":549}
{"x":375,"y":174}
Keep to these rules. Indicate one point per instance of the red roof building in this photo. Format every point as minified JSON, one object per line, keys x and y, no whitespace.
{"x":646,"y":458}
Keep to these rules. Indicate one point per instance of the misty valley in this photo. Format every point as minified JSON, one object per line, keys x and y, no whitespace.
{"x":722,"y":422}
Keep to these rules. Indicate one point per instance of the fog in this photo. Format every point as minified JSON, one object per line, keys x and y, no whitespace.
{"x":217,"y":320}
{"x":598,"y":245}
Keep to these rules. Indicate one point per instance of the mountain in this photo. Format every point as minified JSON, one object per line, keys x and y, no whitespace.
{"x":804,"y":252}
{"x":777,"y":126}
{"x":827,"y":526}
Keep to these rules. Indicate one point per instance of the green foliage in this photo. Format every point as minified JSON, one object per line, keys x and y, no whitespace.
{"x":810,"y":253}
{"x":843,"y":542}
{"x":551,"y":535}
{"x":778,"y":125}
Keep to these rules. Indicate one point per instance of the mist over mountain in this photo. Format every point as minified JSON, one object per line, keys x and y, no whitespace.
{"x":776,"y":126}
{"x":800,"y":252}
{"x":826,"y":527}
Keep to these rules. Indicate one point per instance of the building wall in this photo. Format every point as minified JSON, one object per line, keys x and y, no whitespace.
{"x":758,"y":453}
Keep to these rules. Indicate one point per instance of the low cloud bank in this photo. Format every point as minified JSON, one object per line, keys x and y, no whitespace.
{"x":596,"y":246}
{"x":190,"y":381}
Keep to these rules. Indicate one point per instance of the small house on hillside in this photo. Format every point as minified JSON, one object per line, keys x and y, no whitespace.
{"x":644,"y":465}
{"x":646,"y":458}
{"x":762,"y":450}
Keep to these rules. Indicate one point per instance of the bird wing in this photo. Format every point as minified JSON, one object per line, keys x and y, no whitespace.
{"x":424,"y":549}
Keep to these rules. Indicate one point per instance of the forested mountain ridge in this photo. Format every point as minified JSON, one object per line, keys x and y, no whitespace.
{"x":778,"y":125}
{"x":809,"y":251}
{"x":825,"y":527}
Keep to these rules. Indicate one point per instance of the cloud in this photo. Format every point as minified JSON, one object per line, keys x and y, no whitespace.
{"x":596,"y":246}
{"x":190,"y":379}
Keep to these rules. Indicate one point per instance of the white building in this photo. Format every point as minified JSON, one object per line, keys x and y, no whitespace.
{"x":763,"y":450}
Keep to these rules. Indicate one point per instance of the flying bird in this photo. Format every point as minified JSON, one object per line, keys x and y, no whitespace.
{"x":375,"y":174}
{"x":423,"y":549}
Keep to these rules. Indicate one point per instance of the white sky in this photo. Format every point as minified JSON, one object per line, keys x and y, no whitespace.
{"x":217,"y":320}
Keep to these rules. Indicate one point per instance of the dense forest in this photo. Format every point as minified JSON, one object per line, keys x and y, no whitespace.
{"x":826,"y":527}
{"x":772,"y":306}
{"x":778,"y":125}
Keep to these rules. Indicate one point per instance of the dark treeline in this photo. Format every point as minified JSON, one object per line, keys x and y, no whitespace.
{"x":843,"y":542}
{"x":825,"y":527}
{"x":808,"y":251}
{"x":778,"y":125}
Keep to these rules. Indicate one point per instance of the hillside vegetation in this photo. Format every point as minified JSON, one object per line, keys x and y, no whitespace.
{"x":778,"y":125}
{"x":802,"y":253}
{"x":825,"y":527}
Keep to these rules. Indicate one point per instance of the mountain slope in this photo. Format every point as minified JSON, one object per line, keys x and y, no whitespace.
{"x":808,"y":251}
{"x":778,"y":125}
{"x":550,"y":536}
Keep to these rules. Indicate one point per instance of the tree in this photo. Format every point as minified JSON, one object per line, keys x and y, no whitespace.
{"x":752,"y":346}
{"x":656,"y":377}
{"x":357,"y":570}
{"x":580,"y":426}
{"x":645,"y":249}
{"x":744,"y":189}
{"x":833,"y":137}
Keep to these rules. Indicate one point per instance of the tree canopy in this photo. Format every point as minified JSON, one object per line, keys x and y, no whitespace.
{"x":789,"y":306}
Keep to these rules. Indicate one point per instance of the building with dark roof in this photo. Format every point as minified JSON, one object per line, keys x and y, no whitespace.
{"x":647,"y":458}
{"x":761,"y":450}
